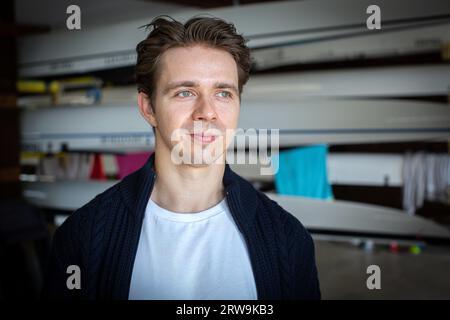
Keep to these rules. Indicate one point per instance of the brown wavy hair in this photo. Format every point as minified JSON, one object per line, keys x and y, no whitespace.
{"x":168,"y":33}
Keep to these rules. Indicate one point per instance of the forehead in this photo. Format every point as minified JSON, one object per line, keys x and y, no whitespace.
{"x":197,"y":63}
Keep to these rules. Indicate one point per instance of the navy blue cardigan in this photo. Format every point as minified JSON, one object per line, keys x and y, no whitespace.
{"x":102,"y":239}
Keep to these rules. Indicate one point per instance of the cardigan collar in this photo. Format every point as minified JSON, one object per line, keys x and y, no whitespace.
{"x":137,"y":187}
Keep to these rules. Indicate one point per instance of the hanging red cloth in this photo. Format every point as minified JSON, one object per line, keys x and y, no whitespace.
{"x":98,"y":172}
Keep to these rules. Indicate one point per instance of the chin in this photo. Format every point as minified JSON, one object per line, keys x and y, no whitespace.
{"x":206,"y":159}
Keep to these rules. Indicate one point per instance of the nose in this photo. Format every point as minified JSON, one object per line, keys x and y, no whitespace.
{"x":204,"y":111}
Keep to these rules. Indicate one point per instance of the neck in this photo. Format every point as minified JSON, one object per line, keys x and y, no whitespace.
{"x":186,"y":188}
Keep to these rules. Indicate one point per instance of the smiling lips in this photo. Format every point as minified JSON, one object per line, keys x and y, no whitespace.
{"x":203,"y":138}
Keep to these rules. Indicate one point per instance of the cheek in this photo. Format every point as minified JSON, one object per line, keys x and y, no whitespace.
{"x":171,"y":118}
{"x":230,"y":119}
{"x":229,"y":115}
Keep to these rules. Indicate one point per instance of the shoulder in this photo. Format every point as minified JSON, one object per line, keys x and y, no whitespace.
{"x":80,"y":222}
{"x":281,"y":216}
{"x":281,"y":221}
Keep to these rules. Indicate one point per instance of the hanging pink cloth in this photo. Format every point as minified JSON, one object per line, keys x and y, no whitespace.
{"x":128,"y":163}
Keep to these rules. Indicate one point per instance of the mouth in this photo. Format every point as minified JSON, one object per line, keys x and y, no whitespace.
{"x":203,"y":138}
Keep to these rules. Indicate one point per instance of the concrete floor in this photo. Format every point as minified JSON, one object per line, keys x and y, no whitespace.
{"x":342,"y":272}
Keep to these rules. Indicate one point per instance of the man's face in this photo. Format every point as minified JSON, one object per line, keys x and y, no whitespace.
{"x":196,"y":103}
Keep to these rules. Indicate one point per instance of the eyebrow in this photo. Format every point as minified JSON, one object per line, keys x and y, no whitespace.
{"x":192,"y":84}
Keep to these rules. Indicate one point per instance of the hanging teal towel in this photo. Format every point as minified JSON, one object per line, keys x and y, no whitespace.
{"x":303,"y":172}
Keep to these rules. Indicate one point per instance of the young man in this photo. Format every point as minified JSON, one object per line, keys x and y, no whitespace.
{"x":185,"y":226}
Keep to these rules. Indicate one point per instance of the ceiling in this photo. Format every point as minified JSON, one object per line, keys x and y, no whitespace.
{"x":52,"y":13}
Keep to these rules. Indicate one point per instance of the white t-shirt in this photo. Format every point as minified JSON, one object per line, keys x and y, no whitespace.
{"x":191,"y":256}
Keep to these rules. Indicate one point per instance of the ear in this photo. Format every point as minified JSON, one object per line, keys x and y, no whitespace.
{"x":146,"y":110}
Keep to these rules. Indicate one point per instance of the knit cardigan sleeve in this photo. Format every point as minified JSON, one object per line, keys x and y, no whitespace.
{"x":65,"y":251}
{"x":306,"y":285}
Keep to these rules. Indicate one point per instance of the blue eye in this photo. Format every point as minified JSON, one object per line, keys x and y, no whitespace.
{"x":184,"y":94}
{"x":227,"y":94}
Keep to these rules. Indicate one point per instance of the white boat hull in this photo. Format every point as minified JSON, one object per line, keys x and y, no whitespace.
{"x":331,"y":216}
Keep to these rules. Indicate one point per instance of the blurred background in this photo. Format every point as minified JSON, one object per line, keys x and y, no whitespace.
{"x":360,"y":96}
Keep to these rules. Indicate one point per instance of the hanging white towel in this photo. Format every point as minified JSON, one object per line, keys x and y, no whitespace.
{"x":425,"y":177}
